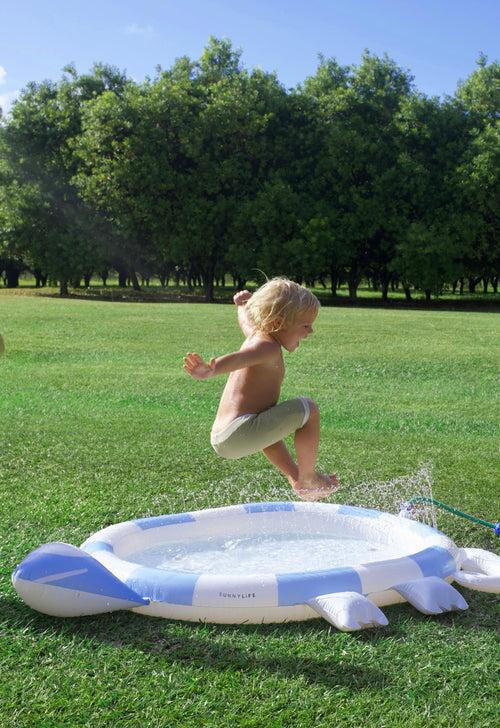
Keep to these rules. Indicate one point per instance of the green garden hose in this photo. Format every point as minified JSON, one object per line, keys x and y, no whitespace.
{"x":407,"y":508}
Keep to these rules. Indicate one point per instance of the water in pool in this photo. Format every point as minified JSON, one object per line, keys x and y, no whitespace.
{"x":283,"y":553}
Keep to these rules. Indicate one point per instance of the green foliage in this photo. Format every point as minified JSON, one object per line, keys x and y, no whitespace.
{"x":209,"y":167}
{"x":433,"y":240}
{"x":44,"y":218}
{"x":477,"y":174}
{"x":358,"y":185}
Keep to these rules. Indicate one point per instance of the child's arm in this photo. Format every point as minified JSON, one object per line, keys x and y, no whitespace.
{"x":260,"y":352}
{"x":244,"y":321}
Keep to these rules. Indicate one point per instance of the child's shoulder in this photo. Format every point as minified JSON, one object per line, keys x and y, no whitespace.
{"x":263,"y":342}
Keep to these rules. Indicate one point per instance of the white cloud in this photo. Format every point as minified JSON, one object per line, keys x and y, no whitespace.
{"x":3,"y":74}
{"x":145,"y":31}
{"x":7,"y":99}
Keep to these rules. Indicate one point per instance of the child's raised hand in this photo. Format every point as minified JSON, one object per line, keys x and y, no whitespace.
{"x":241,"y":297}
{"x":197,"y":368}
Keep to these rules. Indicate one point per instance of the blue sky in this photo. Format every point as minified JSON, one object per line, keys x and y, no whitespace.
{"x":438,"y":40}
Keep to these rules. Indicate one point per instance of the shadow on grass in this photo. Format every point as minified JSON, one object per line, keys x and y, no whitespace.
{"x":481,"y":616}
{"x":282,"y":650}
{"x":486,"y":303}
{"x":309,"y":650}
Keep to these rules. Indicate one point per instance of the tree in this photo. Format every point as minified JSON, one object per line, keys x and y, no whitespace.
{"x":433,"y":243}
{"x":478,"y":173}
{"x":357,"y":174}
{"x":230,"y":153}
{"x":123,"y":171}
{"x":172,"y":161}
{"x":55,"y":227}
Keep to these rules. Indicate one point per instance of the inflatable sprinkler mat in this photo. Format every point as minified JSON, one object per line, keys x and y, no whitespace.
{"x":258,"y":562}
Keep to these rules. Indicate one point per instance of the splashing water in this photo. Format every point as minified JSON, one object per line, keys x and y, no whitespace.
{"x":286,"y":552}
{"x":392,"y":495}
{"x":269,"y":485}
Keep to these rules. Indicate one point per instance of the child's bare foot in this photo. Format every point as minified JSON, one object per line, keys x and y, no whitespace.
{"x":316,"y":486}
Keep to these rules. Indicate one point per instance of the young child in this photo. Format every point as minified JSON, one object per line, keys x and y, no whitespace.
{"x":278,"y":315}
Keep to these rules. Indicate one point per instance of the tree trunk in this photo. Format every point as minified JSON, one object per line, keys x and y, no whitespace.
{"x":63,"y":286}
{"x":485,"y":285}
{"x":472,"y":284}
{"x":209,"y":289}
{"x":208,"y":283}
{"x":190,"y":277}
{"x":353,"y":291}
{"x":385,"y":279}
{"x":122,"y":278}
{"x":407,"y":291}
{"x":12,"y":275}
{"x":428,"y":295}
{"x":135,"y":282}
{"x":164,"y":275}
{"x":40,"y":278}
{"x":334,"y":280}
{"x":353,"y":280}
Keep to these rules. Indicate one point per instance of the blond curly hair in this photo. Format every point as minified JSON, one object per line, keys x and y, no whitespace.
{"x":279,"y":303}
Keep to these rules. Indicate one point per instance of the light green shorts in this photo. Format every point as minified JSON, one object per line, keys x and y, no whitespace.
{"x":252,"y":433}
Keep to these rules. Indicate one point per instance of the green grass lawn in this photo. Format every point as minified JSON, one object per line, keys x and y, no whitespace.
{"x":99,"y":424}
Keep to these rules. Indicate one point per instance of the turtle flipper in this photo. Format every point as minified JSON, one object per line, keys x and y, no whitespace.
{"x":431,"y":595}
{"x":348,"y":611}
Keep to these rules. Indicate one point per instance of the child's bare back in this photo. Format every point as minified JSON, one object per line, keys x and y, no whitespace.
{"x":253,"y":389}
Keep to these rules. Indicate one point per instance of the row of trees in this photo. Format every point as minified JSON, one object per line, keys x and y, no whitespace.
{"x":209,"y":168}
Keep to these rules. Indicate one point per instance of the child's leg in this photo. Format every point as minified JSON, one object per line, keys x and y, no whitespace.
{"x":311,"y":484}
{"x":279,"y":456}
{"x":306,"y":443}
{"x":302,"y":476}
{"x":266,"y":431}
{"x":306,"y":448}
